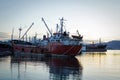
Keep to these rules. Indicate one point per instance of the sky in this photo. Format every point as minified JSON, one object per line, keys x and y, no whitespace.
{"x":93,"y":19}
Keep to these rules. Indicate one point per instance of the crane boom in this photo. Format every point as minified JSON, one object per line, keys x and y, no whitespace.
{"x":27,"y":30}
{"x":47,"y":26}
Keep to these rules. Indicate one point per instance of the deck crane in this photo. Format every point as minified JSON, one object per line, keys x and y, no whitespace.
{"x":47,"y":26}
{"x":27,"y":31}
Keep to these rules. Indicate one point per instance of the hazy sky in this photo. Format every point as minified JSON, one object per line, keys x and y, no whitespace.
{"x":93,"y":18}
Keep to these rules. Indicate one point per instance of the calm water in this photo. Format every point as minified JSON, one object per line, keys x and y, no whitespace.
{"x":88,"y":66}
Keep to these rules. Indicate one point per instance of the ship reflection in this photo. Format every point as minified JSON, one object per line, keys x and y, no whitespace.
{"x":58,"y":68}
{"x":65,"y":69}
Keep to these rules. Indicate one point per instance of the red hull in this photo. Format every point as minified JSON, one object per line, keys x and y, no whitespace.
{"x":59,"y":49}
{"x":70,"y":50}
{"x":29,"y":49}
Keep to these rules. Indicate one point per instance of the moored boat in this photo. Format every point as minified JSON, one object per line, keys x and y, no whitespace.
{"x":5,"y":49}
{"x":26,"y":47}
{"x":96,"y":47}
{"x":59,"y":43}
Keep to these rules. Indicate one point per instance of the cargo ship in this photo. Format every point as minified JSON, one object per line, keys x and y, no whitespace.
{"x":59,"y":43}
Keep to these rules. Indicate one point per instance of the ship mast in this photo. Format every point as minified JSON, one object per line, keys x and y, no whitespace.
{"x":12,"y":34}
{"x":57,"y":28}
{"x":61,"y":23}
{"x":20,"y":29}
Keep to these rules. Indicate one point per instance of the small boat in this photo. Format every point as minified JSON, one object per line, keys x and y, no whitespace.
{"x":59,"y":43}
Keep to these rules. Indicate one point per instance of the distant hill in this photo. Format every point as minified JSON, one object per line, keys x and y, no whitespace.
{"x":115,"y":44}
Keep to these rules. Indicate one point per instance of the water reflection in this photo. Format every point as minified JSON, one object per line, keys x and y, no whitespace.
{"x":57,"y":68}
{"x":64,"y":69}
{"x":95,"y":57}
{"x":101,"y":66}
{"x":22,"y":66}
{"x":96,"y":66}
